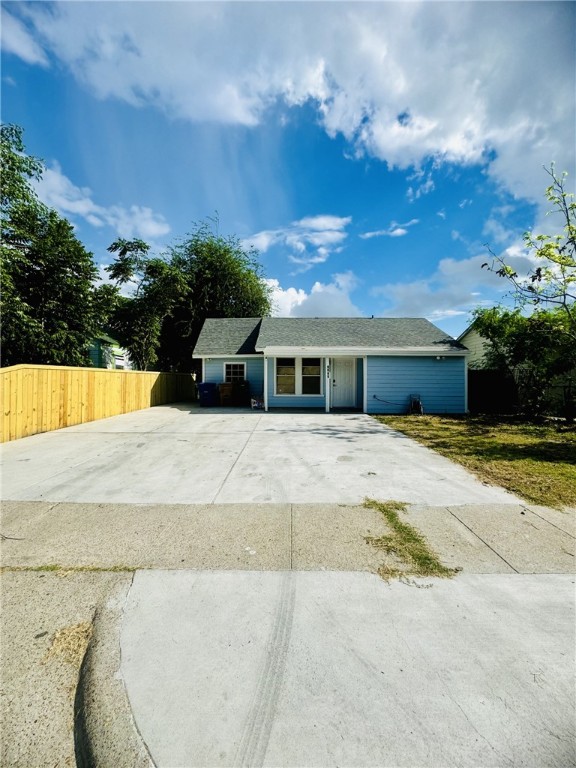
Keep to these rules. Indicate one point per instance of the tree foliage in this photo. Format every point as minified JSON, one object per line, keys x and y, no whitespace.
{"x":536,"y":342}
{"x":137,"y":321}
{"x":551,"y":282}
{"x":534,"y":349}
{"x":204,"y":275}
{"x":50,"y":306}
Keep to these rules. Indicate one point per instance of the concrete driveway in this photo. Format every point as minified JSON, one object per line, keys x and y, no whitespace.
{"x":187,"y":455}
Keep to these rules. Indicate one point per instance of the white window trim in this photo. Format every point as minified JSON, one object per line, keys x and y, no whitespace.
{"x":232,"y":362}
{"x":298,"y":376}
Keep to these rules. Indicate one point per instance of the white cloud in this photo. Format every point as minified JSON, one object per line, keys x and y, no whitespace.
{"x":324,"y":222}
{"x":497,"y":232}
{"x":57,"y":191}
{"x":324,"y":300}
{"x":285,"y":300}
{"x":310,"y":240}
{"x":394,"y":230}
{"x":455,"y":288}
{"x":422,"y":189}
{"x":16,"y":39}
{"x":403,"y":82}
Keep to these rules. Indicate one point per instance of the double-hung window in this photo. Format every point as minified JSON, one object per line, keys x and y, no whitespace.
{"x":234,"y":372}
{"x":286,"y":376}
{"x":298,"y":376}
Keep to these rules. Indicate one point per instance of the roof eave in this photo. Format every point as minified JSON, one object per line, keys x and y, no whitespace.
{"x":278,"y":351}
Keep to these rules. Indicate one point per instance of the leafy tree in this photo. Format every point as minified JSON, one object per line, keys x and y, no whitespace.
{"x":552,"y":279}
{"x":137,"y":321}
{"x":537,"y":341}
{"x":17,"y":170}
{"x":205,"y":275}
{"x":534,"y":349}
{"x":50,"y":306}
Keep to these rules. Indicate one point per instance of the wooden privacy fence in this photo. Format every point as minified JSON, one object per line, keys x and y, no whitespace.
{"x":40,"y":398}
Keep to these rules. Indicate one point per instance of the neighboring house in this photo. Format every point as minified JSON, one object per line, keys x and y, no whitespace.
{"x":105,"y":352}
{"x":374,"y":365}
{"x":490,"y":390}
{"x":477,"y":345}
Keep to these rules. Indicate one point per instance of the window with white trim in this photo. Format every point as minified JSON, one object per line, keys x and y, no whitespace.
{"x":298,"y":376}
{"x":234,"y":372}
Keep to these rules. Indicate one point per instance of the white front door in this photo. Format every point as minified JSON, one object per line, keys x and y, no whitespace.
{"x":343,"y":382}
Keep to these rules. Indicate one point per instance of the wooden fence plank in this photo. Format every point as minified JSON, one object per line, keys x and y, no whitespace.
{"x":41,"y":398}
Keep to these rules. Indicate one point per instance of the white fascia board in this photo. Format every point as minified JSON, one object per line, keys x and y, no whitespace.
{"x":362,"y":352}
{"x":224,"y":357}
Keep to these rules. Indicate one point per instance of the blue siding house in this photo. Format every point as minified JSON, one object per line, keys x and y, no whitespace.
{"x":376,"y":365}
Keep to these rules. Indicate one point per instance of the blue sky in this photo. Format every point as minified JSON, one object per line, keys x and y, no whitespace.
{"x":368,"y":150}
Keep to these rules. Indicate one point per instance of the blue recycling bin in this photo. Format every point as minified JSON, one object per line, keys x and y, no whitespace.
{"x":208,"y":394}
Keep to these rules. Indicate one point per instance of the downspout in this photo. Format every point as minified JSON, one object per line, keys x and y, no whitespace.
{"x":265,"y":384}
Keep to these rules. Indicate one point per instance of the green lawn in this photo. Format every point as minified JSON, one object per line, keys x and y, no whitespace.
{"x":535,"y":461}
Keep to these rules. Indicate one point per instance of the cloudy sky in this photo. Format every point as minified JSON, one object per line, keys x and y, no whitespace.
{"x":368,"y":150}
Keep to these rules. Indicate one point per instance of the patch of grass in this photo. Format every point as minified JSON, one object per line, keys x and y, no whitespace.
{"x":534,"y":461}
{"x":406,"y":543}
{"x":70,"y":643}
{"x":64,"y":569}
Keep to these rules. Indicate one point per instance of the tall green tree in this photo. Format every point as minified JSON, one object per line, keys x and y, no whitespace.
{"x":50,"y":306}
{"x":137,"y":321}
{"x":223,"y":279}
{"x":204,"y":275}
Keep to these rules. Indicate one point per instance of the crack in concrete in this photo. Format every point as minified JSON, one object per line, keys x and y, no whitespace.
{"x":236,"y":461}
{"x":482,"y":540}
{"x":531,"y":511}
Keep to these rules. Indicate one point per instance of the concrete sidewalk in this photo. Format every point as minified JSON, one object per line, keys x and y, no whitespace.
{"x":507,"y":538}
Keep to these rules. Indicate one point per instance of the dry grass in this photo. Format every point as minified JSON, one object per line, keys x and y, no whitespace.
{"x":406,"y":543}
{"x":70,"y":643}
{"x":535,"y":461}
{"x":64,"y":570}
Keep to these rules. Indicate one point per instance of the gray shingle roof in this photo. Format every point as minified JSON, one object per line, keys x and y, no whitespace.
{"x":228,"y":336}
{"x":389,"y":332}
{"x":245,"y":335}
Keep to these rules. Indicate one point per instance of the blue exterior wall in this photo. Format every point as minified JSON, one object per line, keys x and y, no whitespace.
{"x":441,"y":384}
{"x":214,"y":371}
{"x":294,"y":401}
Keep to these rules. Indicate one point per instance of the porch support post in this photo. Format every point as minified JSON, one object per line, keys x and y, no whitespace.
{"x":266,"y":384}
{"x":365,"y":385}
{"x":328,"y":380}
